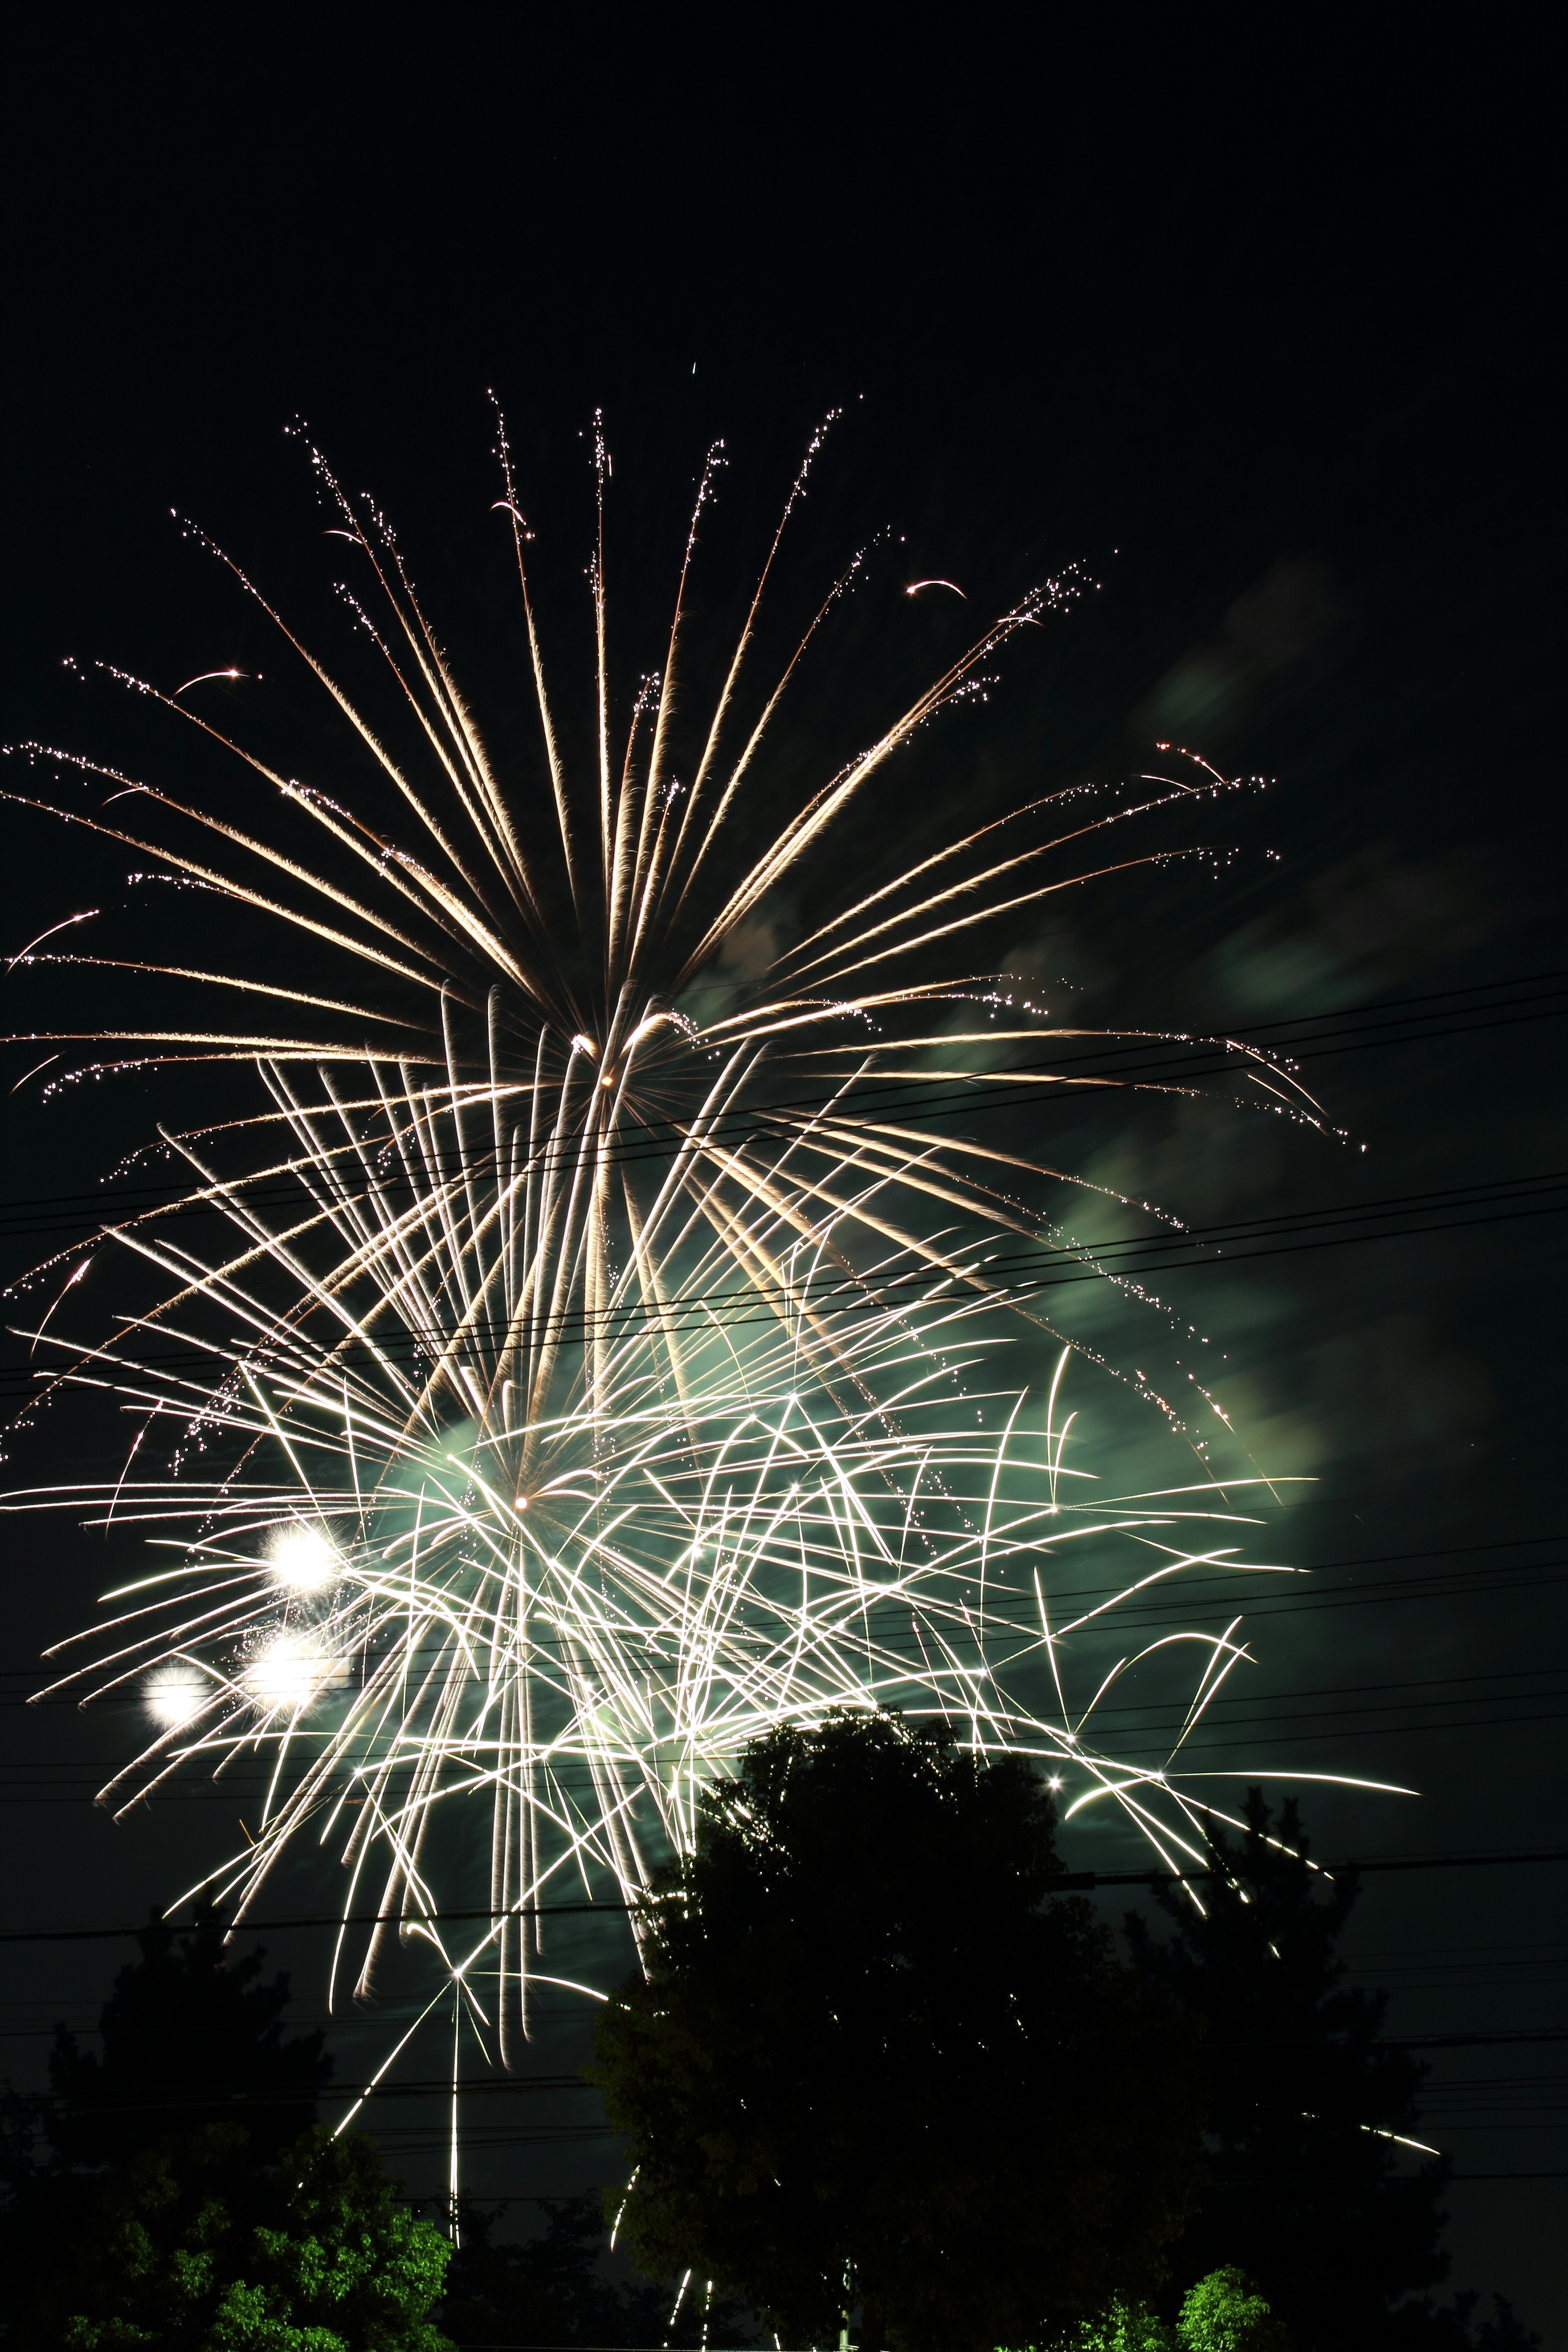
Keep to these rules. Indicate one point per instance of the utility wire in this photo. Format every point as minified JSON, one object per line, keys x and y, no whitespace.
{"x":486,"y":2086}
{"x":234,"y":1785}
{"x":1348,"y":1692}
{"x":1066,"y":1883}
{"x":661,"y":1138}
{"x":1486,"y":1196}
{"x":695,"y":1312}
{"x":1443,"y":1583}
{"x":907,"y":1642}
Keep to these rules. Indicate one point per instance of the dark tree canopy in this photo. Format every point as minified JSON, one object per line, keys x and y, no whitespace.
{"x":1304,"y":2193}
{"x":551,"y":2288}
{"x":171,"y":2194}
{"x":189,"y":2036}
{"x":867,"y":2035}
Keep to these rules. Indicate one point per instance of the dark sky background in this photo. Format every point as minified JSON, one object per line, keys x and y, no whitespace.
{"x":1253,"y":314}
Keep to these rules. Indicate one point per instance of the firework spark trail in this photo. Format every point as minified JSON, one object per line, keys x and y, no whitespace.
{"x":673,"y":1583}
{"x":602,"y":1393}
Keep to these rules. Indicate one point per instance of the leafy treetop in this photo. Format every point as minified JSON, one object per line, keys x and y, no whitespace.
{"x":336,"y":2263}
{"x":869,"y":2037}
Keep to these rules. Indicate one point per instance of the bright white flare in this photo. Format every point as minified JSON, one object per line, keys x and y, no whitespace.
{"x":288,"y":1672}
{"x":303,"y":1561}
{"x":176,"y":1694}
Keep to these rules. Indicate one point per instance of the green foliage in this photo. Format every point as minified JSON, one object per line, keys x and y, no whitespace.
{"x":1125,"y":2327}
{"x":339,"y":2266}
{"x":191,"y":2041}
{"x":1223,"y":2313}
{"x":866,"y":2036}
{"x":1300,"y":2092}
{"x":346,"y":2257}
{"x":163,"y":2196}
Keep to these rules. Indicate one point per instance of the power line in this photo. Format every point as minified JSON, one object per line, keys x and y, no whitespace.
{"x":485,"y":2197}
{"x":1523,"y":2036}
{"x":319,"y":1919}
{"x":202,"y":2095}
{"x":1119,"y":1061}
{"x":1424,"y":1590}
{"x":1071,"y":1882}
{"x":1490,"y":1196}
{"x":1364,"y":1867}
{"x":1442,"y":1584}
{"x":1348,"y":1691}
{"x":695,"y":1312}
{"x":235,"y":1787}
{"x":1134,"y":1746}
{"x":467,"y":2087}
{"x":1414,"y":1589}
{"x":1225,"y":1583}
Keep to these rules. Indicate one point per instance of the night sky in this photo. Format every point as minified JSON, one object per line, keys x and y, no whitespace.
{"x":1255,"y":318}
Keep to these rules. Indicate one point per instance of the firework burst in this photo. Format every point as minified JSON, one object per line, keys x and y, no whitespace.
{"x":597,"y":1363}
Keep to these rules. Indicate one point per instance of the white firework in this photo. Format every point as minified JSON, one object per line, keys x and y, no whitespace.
{"x":600,"y":1364}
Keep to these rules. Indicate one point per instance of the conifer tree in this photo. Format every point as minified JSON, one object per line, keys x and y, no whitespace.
{"x":169,"y":2192}
{"x":1310,"y":2192}
{"x":190,"y":2035}
{"x":552,"y":2288}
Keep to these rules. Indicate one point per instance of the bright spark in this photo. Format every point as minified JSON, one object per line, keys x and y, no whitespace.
{"x":289,"y":1672}
{"x":175,"y":1696}
{"x":302,"y":1559}
{"x":208,"y":673}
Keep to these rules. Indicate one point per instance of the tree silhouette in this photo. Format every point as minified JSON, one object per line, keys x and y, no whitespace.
{"x":169,"y":2192}
{"x":189,"y":2036}
{"x":1309,"y":2190}
{"x":868,"y":2037}
{"x":551,"y":2288}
